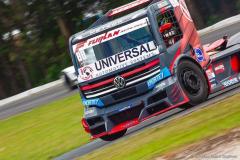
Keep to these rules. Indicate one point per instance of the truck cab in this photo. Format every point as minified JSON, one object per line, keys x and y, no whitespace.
{"x":137,"y":61}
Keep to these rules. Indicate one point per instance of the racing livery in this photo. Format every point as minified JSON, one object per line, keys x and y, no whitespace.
{"x":143,"y":59}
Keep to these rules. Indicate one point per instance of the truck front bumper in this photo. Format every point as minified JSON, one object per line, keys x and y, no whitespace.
{"x":166,"y":95}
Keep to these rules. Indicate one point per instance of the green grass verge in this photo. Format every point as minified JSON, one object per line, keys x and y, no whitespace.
{"x":44,"y":132}
{"x":154,"y":142}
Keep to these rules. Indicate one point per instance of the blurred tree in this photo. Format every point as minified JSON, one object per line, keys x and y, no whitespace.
{"x":37,"y":34}
{"x":238,"y":5}
{"x":195,"y":12}
{"x":7,"y":72}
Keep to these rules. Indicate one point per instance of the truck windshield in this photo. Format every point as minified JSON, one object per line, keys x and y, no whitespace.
{"x":116,"y":45}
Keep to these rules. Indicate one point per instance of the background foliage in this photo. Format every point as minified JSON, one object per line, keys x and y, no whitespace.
{"x":34,"y":35}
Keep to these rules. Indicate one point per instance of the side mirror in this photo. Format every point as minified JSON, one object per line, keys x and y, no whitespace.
{"x":165,"y":27}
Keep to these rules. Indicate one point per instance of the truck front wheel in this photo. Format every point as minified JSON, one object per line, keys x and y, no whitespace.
{"x":114,"y":136}
{"x":193,"y":82}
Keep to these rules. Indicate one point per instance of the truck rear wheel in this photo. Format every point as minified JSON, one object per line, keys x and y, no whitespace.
{"x":193,"y":82}
{"x":114,"y":136}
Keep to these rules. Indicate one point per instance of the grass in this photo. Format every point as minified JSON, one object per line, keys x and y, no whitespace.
{"x":53,"y":129}
{"x":44,"y":132}
{"x":154,"y":142}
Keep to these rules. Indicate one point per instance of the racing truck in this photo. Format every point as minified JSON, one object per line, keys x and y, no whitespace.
{"x":143,"y":59}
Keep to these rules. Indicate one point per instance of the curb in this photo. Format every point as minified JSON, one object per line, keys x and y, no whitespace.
{"x":31,"y":92}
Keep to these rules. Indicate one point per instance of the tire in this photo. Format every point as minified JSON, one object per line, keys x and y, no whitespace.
{"x":114,"y":136}
{"x":193,"y":82}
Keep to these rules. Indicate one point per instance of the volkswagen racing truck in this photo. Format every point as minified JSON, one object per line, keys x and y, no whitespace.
{"x":143,"y":59}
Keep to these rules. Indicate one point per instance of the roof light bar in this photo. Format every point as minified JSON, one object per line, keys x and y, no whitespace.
{"x":127,"y":7}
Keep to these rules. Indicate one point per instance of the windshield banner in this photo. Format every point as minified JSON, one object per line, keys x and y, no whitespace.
{"x":117,"y":61}
{"x":109,"y":35}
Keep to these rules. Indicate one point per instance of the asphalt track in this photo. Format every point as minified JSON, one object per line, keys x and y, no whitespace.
{"x":61,"y":92}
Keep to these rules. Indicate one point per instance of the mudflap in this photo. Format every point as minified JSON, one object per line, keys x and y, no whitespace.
{"x":224,"y":71}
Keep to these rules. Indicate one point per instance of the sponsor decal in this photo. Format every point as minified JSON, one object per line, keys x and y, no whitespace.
{"x":93,"y":102}
{"x":161,"y":85}
{"x":118,"y":61}
{"x":102,"y":28}
{"x":86,"y":73}
{"x":199,"y":54}
{"x":125,"y":56}
{"x":104,"y":37}
{"x":185,"y":10}
{"x":79,"y":45}
{"x":111,"y":34}
{"x":219,"y":68}
{"x":164,"y":73}
{"x":80,"y":56}
{"x":211,"y":75}
{"x":174,"y":3}
{"x":230,"y":82}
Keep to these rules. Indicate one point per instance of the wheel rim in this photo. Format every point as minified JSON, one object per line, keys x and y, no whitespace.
{"x":191,"y":81}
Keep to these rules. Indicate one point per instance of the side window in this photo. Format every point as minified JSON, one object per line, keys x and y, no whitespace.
{"x":169,"y":28}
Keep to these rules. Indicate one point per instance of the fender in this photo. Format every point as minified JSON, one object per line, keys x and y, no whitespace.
{"x":184,"y":57}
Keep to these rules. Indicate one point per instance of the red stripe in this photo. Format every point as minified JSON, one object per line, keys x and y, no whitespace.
{"x":125,"y":75}
{"x":85,"y":125}
{"x":124,"y":125}
{"x":88,"y":87}
{"x":149,"y":65}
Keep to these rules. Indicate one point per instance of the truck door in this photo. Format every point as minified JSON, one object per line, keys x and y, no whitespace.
{"x":166,"y":27}
{"x":178,"y":31}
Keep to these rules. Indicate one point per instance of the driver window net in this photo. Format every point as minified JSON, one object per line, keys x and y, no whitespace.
{"x":174,"y":34}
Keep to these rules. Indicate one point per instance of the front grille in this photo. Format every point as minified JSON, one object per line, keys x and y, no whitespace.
{"x":127,"y":115}
{"x":130,"y":80}
{"x":124,"y":93}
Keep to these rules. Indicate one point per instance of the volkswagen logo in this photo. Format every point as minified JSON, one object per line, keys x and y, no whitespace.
{"x":119,"y":82}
